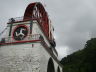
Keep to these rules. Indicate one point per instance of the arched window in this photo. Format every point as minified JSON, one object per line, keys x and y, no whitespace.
{"x":58,"y":69}
{"x":50,"y":67}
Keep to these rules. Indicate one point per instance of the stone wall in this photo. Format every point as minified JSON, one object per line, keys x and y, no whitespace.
{"x":28,"y":57}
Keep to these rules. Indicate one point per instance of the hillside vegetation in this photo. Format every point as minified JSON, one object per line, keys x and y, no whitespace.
{"x":82,"y":60}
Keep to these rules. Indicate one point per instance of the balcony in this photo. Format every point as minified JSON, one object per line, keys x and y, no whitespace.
{"x":29,"y":38}
{"x":20,"y":19}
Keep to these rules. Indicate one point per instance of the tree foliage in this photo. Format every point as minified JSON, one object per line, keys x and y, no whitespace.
{"x":82,"y":60}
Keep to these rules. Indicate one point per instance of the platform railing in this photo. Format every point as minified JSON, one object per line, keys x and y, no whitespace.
{"x":15,"y":19}
{"x":28,"y":38}
{"x":18,"y":19}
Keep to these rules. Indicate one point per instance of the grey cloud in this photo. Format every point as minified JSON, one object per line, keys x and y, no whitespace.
{"x":77,"y":26}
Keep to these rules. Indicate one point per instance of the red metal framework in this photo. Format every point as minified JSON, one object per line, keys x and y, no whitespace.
{"x":37,"y":11}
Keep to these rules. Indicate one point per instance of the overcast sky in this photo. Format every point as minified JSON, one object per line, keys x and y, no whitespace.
{"x":74,"y":20}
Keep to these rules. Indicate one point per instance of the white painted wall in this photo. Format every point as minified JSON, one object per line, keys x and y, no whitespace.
{"x":25,"y":58}
{"x":36,"y":30}
{"x":20,"y":58}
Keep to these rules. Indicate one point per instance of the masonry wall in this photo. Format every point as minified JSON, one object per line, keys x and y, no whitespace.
{"x":20,"y":58}
{"x":45,"y":56}
{"x":24,"y":58}
{"x":37,"y":30}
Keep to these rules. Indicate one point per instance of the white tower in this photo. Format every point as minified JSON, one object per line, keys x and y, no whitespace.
{"x":29,"y":45}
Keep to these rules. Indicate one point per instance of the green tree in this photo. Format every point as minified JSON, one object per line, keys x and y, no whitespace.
{"x":83,"y":60}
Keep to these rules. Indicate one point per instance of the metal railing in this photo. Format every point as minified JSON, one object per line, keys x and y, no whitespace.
{"x":15,"y":19}
{"x":18,"y":19}
{"x":28,"y":38}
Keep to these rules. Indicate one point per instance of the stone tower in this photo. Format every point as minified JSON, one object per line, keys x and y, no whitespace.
{"x":29,"y":45}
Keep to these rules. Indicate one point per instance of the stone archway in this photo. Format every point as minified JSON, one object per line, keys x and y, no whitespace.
{"x":58,"y":69}
{"x":50,"y":67}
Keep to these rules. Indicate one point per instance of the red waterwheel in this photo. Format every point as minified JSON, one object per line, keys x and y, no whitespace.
{"x":37,"y":11}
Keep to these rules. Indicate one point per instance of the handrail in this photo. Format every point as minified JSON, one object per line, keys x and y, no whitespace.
{"x":20,"y":19}
{"x":29,"y":37}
